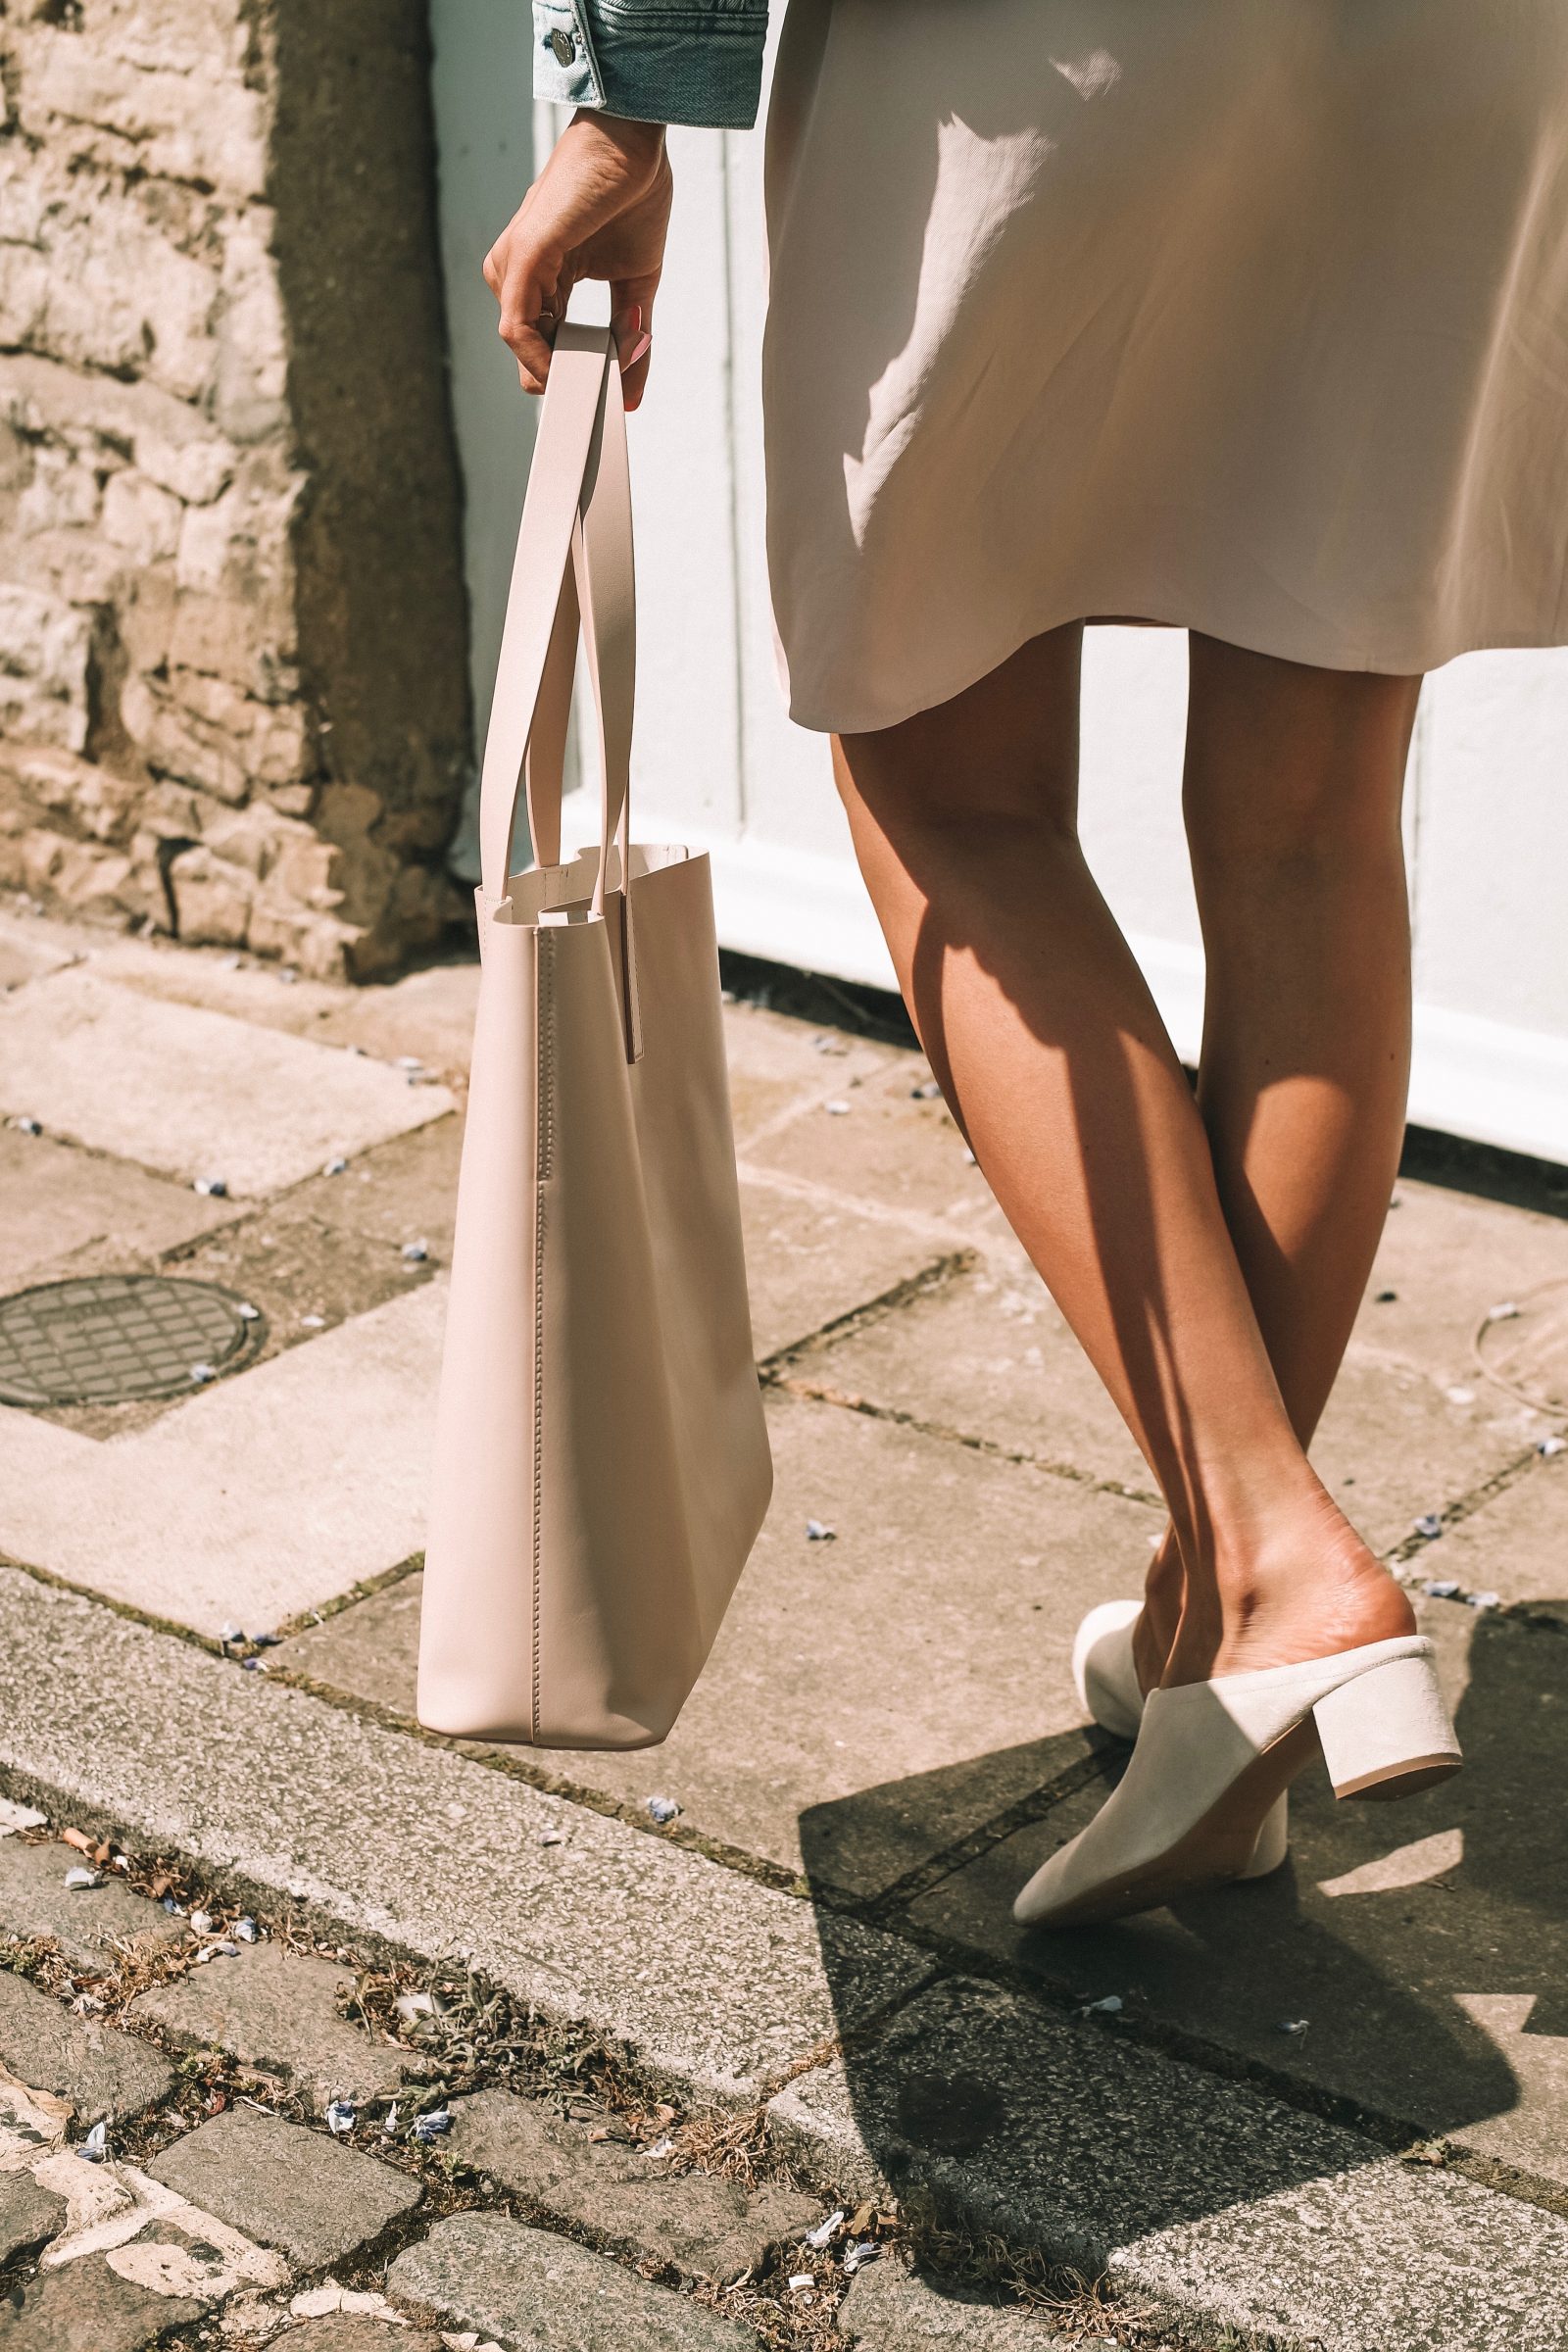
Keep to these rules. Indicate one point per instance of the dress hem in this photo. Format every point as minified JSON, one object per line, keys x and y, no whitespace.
{"x":871,"y":719}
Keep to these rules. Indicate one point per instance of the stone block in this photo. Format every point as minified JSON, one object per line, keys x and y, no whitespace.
{"x":892,"y":2309}
{"x":188,"y":114}
{"x":275,"y":2010}
{"x":96,"y":800}
{"x":213,"y":899}
{"x":777,"y":1068}
{"x":357,"y":2331}
{"x":106,"y":2075}
{"x":285,"y":2187}
{"x":700,"y":2225}
{"x":108,"y":283}
{"x":252,"y":337}
{"x":142,"y":519}
{"x":30,"y":946}
{"x":187,"y":1515}
{"x":85,"y":2306}
{"x":88,"y":1925}
{"x":319,"y":944}
{"x":43,"y":677}
{"x":29,"y":2216}
{"x":65,"y":1207}
{"x":62,"y":494}
{"x":482,"y":2270}
{"x":429,"y":1013}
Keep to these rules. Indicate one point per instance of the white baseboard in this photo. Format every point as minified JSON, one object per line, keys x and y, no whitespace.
{"x":1480,"y":1079}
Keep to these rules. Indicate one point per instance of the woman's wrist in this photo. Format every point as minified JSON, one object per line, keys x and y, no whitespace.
{"x":635,"y":137}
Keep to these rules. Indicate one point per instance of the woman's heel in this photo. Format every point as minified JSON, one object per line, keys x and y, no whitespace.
{"x":1387,"y":1731}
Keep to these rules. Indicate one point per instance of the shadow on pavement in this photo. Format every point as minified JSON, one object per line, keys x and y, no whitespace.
{"x":1402,"y":1974}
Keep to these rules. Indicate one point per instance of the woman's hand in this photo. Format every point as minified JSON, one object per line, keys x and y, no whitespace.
{"x":598,"y":208}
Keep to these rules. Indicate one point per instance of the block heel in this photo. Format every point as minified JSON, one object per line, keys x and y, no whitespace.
{"x":1387,"y":1732}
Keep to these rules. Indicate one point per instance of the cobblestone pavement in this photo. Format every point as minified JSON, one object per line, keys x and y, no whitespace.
{"x":213,"y":2130}
{"x":398,"y":2042}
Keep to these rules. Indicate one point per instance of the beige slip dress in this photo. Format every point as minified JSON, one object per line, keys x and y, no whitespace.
{"x":1248,"y":316}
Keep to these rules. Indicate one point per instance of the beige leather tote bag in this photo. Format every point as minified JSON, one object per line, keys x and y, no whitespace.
{"x":601,"y":1465}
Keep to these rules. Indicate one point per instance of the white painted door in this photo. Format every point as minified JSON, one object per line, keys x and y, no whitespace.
{"x":718,"y":765}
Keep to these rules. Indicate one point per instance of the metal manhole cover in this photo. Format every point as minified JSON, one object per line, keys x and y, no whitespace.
{"x":104,"y":1339}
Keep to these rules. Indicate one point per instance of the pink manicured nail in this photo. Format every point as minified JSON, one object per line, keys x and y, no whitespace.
{"x":636,"y":352}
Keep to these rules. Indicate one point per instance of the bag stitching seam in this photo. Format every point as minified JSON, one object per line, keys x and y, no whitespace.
{"x":543,"y":1022}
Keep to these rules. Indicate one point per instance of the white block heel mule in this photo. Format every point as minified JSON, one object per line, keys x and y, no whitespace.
{"x":1212,"y":1758}
{"x":1107,"y":1685}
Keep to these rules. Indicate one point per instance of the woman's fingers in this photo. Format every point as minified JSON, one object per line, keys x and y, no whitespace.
{"x":631,"y":327}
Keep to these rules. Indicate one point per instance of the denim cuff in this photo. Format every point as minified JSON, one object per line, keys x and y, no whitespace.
{"x":693,"y":64}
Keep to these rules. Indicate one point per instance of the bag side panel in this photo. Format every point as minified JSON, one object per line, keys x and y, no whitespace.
{"x":477,"y":1619}
{"x":619,"y":1639}
{"x":686,"y":1144}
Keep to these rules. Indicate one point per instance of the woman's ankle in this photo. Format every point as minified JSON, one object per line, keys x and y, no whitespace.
{"x":1307,"y":1588}
{"x":1155,"y":1634}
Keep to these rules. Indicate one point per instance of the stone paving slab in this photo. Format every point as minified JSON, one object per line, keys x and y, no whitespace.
{"x":1216,"y":2205}
{"x":215,"y":980}
{"x":106,"y":2075}
{"x":29,"y":2216}
{"x":93,"y":1926}
{"x":484,"y":2272}
{"x":716,"y":1981}
{"x":1449,"y":1256}
{"x":285,"y":2187}
{"x":402,"y":1191}
{"x":29,"y":948}
{"x":1422,"y":1945}
{"x":190,"y":1519}
{"x":64,"y":1203}
{"x":87,"y":2307}
{"x":190,"y":1092}
{"x":1516,"y":1545}
{"x":989,"y":1354}
{"x":780,"y":1067}
{"x":812,"y":1257}
{"x":426,"y":1013}
{"x":705,"y":2226}
{"x":277,"y":2010}
{"x":889,"y":1143}
{"x":871,"y":1698}
{"x":429,"y":1013}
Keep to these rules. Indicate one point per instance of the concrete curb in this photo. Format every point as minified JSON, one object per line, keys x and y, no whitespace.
{"x":719,"y":1983}
{"x":1218,"y":2207}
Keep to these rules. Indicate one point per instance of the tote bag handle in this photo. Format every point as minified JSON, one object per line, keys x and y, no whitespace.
{"x":574,"y":555}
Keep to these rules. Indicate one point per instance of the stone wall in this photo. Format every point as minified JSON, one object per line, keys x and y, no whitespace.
{"x":233,"y":700}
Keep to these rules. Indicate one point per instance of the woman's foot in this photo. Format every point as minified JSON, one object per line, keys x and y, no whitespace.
{"x":1214,"y":1759}
{"x":1107,"y":1686}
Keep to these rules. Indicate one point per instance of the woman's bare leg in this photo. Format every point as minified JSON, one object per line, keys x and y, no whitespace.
{"x":1048,"y":1047}
{"x":1292,"y":796}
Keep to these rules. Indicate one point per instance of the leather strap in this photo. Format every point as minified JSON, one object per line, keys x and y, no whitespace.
{"x":575,"y":556}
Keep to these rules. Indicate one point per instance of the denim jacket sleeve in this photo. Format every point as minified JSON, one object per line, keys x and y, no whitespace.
{"x":655,"y":61}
